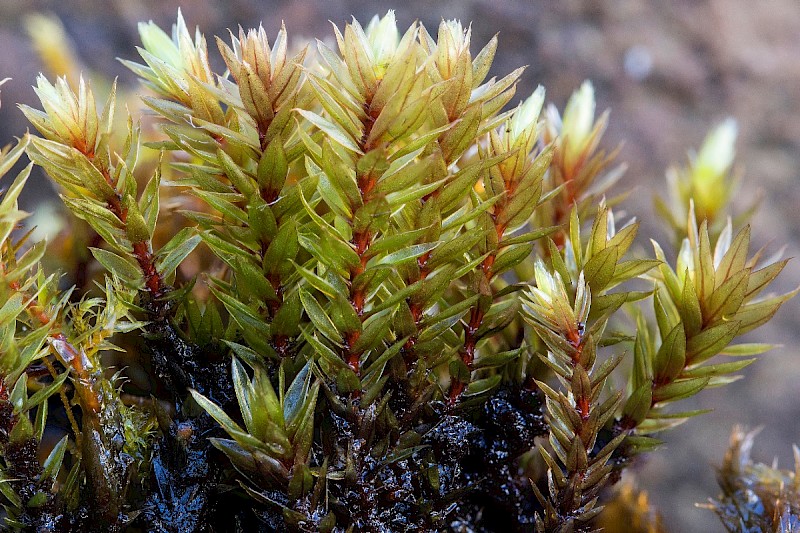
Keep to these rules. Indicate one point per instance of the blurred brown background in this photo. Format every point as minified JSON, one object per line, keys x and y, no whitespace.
{"x":668,"y":70}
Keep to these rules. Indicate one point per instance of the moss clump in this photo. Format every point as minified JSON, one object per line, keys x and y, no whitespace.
{"x":349,"y":291}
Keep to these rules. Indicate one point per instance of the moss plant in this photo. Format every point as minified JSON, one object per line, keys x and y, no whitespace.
{"x":354,"y":288}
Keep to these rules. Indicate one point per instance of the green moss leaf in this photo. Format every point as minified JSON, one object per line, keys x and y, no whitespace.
{"x":671,"y":356}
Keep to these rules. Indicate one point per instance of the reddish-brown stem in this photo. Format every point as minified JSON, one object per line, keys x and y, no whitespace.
{"x":476,"y":314}
{"x":279,"y":342}
{"x":141,"y":250}
{"x":476,"y":318}
{"x":583,"y":407}
{"x":416,"y":309}
{"x":422,"y":263}
{"x":361,"y":242}
{"x":369,"y":121}
{"x":575,"y":340}
{"x":269,"y":195}
{"x":115,"y":204}
{"x":152,"y":279}
{"x":358,"y":300}
{"x":353,"y":357}
{"x":457,"y":387}
{"x":281,"y":345}
{"x":366,"y":184}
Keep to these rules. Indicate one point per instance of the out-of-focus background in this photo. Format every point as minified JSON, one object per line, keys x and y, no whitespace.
{"x":668,"y":71}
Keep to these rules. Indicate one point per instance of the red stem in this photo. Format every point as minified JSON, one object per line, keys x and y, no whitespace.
{"x":476,"y":315}
{"x":361,"y":242}
{"x":141,"y":250}
{"x":153,"y":280}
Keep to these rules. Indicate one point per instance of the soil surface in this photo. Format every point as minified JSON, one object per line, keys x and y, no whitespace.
{"x":668,"y":71}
